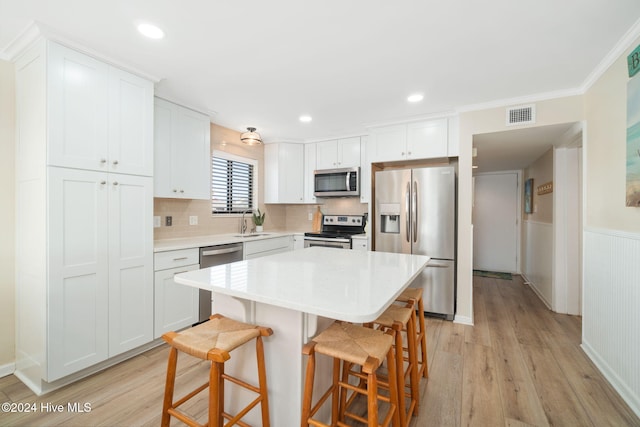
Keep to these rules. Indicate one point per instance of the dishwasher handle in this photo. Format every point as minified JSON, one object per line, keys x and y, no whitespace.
{"x":222,"y":251}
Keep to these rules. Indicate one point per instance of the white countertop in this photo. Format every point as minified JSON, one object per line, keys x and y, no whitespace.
{"x":354,"y":286}
{"x":214,"y":239}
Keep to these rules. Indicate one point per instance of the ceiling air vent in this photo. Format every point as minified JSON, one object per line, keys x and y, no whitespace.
{"x":522,"y":115}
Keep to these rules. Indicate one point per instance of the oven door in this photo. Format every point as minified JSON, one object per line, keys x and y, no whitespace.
{"x":327,"y":242}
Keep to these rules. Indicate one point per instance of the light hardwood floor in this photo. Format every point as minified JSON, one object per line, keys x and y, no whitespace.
{"x":520,"y":365}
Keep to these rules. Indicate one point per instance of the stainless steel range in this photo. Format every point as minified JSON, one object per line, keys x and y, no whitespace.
{"x":336,"y":231}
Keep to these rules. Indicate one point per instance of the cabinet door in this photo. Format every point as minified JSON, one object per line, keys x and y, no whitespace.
{"x":130,"y":123}
{"x":349,"y":152}
{"x":176,"y":306}
{"x":77,"y":110}
{"x":327,"y":155}
{"x":309,"y":168}
{"x":190,"y":171}
{"x":389,"y":143}
{"x":284,"y":173}
{"x":78,"y":293}
{"x":165,"y":129}
{"x":427,"y":140}
{"x":130,"y":262}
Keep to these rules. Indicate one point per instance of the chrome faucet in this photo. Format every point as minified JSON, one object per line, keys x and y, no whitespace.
{"x":243,"y":224}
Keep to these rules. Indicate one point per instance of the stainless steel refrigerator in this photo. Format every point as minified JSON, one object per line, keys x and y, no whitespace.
{"x":416,"y":213}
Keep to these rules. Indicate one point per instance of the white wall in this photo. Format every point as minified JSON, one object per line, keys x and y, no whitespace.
{"x":7,"y":219}
{"x":611,"y":294}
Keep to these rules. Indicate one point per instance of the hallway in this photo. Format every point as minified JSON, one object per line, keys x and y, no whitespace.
{"x":520,"y":365}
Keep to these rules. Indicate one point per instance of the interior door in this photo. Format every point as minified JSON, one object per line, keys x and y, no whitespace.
{"x":495,"y":222}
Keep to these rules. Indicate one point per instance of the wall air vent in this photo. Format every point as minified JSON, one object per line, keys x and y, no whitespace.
{"x":521,"y":115}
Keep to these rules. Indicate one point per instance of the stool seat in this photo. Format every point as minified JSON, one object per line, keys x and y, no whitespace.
{"x":395,"y":313}
{"x":410,"y":293}
{"x":353,"y":343}
{"x":222,"y":334}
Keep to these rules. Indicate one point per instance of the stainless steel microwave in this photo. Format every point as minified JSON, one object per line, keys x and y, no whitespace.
{"x":337,"y":182}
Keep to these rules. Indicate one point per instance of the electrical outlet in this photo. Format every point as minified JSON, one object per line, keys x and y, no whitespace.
{"x":193,"y":220}
{"x":310,"y":216}
{"x":156,"y":222}
{"x":168,"y":220}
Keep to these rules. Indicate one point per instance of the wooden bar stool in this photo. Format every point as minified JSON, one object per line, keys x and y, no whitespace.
{"x":403,"y":319}
{"x":421,"y":337}
{"x":213,"y":340}
{"x":348,"y":345}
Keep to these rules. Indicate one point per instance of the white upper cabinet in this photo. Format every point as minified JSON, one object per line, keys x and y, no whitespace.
{"x":284,"y":173}
{"x":182,"y":152}
{"x":340,"y":153}
{"x":419,"y":140}
{"x":426,"y":140}
{"x":98,"y":115}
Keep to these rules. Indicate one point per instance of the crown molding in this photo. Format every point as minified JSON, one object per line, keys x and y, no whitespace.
{"x":618,"y":50}
{"x":36,"y":30}
{"x":528,"y":99}
{"x":411,"y":119}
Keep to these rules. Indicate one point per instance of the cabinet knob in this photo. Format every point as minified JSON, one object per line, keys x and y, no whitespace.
{"x":115,"y":183}
{"x":402,"y":154}
{"x":182,"y":191}
{"x":175,"y":190}
{"x":409,"y":153}
{"x":115,"y":162}
{"x":103,"y":182}
{"x":103,"y":161}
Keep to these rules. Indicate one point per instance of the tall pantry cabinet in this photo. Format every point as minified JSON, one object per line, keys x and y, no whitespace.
{"x":84,"y":232}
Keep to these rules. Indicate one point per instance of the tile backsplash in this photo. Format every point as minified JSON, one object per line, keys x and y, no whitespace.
{"x":293,"y":218}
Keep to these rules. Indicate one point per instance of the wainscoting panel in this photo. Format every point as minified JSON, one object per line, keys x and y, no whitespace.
{"x":611,"y":308}
{"x":538,"y":258}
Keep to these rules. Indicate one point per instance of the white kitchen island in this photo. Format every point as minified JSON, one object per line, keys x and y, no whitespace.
{"x":298,"y":294}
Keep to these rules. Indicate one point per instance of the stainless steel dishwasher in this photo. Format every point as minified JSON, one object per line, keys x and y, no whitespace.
{"x":211,"y":256}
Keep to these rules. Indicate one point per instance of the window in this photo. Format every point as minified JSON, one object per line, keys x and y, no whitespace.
{"x":233,"y":184}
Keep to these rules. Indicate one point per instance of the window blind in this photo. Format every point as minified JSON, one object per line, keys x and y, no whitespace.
{"x":231,"y":186}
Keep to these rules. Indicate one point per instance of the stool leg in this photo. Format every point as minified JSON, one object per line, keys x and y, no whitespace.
{"x":308,"y":384}
{"x":372,"y":399}
{"x":335,"y":397}
{"x":216,"y":394}
{"x":397,"y":327}
{"x":423,"y":339}
{"x":262,"y":381}
{"x":394,"y":394}
{"x":413,"y":361}
{"x":169,"y":386}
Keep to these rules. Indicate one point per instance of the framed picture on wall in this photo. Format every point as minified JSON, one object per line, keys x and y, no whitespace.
{"x":528,"y":196}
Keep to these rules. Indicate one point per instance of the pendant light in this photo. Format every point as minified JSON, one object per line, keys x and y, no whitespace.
{"x":251,"y":138}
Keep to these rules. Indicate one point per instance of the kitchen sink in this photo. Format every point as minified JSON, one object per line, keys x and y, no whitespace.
{"x":251,"y":235}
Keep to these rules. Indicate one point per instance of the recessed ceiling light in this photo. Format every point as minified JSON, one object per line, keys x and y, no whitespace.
{"x":415,"y":97}
{"x":305,"y":119}
{"x":150,"y":31}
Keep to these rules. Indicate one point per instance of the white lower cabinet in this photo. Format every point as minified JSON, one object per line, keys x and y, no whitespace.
{"x":176,"y":306}
{"x":264,"y":247}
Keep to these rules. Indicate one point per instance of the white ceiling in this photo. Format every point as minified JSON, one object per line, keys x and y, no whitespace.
{"x":517,"y":149}
{"x":348,"y":64}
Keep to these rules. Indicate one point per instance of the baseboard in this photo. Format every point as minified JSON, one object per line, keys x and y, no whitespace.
{"x":627,"y":394}
{"x":7,"y":369}
{"x":535,"y":290}
{"x":464,"y":320}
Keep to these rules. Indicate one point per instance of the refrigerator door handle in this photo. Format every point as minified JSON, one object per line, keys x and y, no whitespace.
{"x":407,"y":207}
{"x":414,"y":209}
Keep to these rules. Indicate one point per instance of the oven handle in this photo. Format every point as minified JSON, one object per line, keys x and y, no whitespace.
{"x":324,"y":239}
